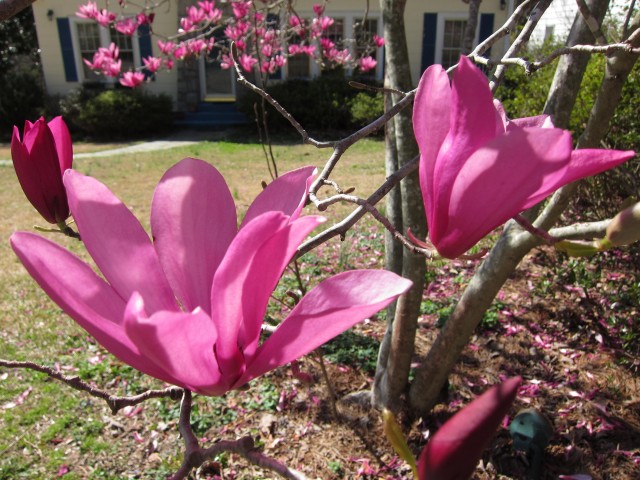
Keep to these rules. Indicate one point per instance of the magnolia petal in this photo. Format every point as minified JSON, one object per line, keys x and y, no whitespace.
{"x":245,"y":279}
{"x":453,"y":452}
{"x":539,"y":121}
{"x":180,"y":343}
{"x":193,"y":220}
{"x":473,"y":115}
{"x":329,"y":309}
{"x":431,"y":119}
{"x":63,"y":143}
{"x":36,"y":163}
{"x":82,"y":294}
{"x":586,"y":162}
{"x":229,"y":283}
{"x":499,"y":181}
{"x":117,"y":242}
{"x":286,"y":194}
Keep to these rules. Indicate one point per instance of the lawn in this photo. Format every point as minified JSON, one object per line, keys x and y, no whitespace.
{"x":569,"y":327}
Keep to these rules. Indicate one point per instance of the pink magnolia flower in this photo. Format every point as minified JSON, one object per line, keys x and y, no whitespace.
{"x":104,"y":17}
{"x":90,"y":10}
{"x":166,"y":47}
{"x":127,"y":26}
{"x":378,"y":41}
{"x":152,"y":64}
{"x":40,"y":159}
{"x":453,"y":452}
{"x":247,"y":62}
{"x":367,"y":63}
{"x":241,"y":8}
{"x":477,"y":169}
{"x":188,"y":307}
{"x":318,"y":9}
{"x":131,"y":79}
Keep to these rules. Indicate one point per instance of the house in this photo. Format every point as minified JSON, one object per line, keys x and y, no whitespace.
{"x":558,"y":19}
{"x":434,"y":33}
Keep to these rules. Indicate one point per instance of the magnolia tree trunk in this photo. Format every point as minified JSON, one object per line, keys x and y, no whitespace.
{"x":472,"y":25}
{"x":514,"y":243}
{"x":406,"y":210}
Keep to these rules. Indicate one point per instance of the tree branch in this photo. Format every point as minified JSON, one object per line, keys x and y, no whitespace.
{"x":115,"y":403}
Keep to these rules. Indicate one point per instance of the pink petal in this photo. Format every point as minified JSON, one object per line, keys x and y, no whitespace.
{"x":332,"y":307}
{"x":587,"y":162}
{"x":286,"y":194}
{"x":82,"y":294}
{"x":246,"y":278}
{"x":180,"y":343}
{"x":431,"y":122}
{"x":117,"y":242}
{"x":539,"y":121}
{"x":193,"y":220}
{"x":499,"y":181}
{"x":62,"y":139}
{"x":473,"y":124}
{"x":453,"y":452}
{"x":36,"y":163}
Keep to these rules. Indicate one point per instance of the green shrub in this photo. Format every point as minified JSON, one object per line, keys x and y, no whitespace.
{"x":365,"y":108}
{"x":118,"y":113}
{"x":323,"y":104}
{"x":21,"y":97}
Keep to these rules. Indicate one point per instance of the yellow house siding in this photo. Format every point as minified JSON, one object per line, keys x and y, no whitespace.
{"x":165,"y":23}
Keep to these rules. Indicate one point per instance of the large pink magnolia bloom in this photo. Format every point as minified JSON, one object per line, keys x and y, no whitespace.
{"x":40,"y":158}
{"x":478,"y":169}
{"x":187,"y":307}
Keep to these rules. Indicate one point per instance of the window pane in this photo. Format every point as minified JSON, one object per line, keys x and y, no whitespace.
{"x":89,"y":42}
{"x":125,"y":44}
{"x":452,"y":41}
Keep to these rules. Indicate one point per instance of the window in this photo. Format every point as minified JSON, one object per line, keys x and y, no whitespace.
{"x":89,"y":36}
{"x":452,"y":41}
{"x":89,"y":42}
{"x":364,"y":30}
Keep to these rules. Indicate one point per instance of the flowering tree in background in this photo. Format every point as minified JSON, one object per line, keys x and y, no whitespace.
{"x":265,"y":35}
{"x":188,"y":307}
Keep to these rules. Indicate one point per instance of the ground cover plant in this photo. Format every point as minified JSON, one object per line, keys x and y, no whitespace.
{"x":187,"y":306}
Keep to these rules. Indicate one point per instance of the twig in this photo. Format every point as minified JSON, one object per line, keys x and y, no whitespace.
{"x":195,"y":455}
{"x":115,"y":403}
{"x":531,"y":67}
{"x":538,"y":232}
{"x":520,"y":42}
{"x":341,"y":228}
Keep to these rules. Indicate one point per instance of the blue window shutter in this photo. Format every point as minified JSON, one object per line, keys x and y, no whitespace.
{"x":66,"y":46}
{"x":144,"y":45}
{"x":486,"y":29}
{"x":429,"y":39}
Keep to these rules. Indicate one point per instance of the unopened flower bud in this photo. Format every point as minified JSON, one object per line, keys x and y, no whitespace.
{"x":624,"y":229}
{"x":40,"y":158}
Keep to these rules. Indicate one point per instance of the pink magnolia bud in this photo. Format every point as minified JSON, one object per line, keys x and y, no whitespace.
{"x":624,"y":229}
{"x":453,"y":452}
{"x":40,"y":159}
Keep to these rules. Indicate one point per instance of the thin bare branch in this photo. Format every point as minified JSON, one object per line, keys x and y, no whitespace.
{"x":115,"y":403}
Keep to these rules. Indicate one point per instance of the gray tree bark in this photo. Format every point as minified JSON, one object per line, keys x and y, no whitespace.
{"x":514,"y":243}
{"x":396,"y":351}
{"x":472,"y":25}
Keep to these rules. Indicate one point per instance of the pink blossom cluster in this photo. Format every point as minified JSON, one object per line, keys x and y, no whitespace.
{"x":262,"y":43}
{"x":106,"y":61}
